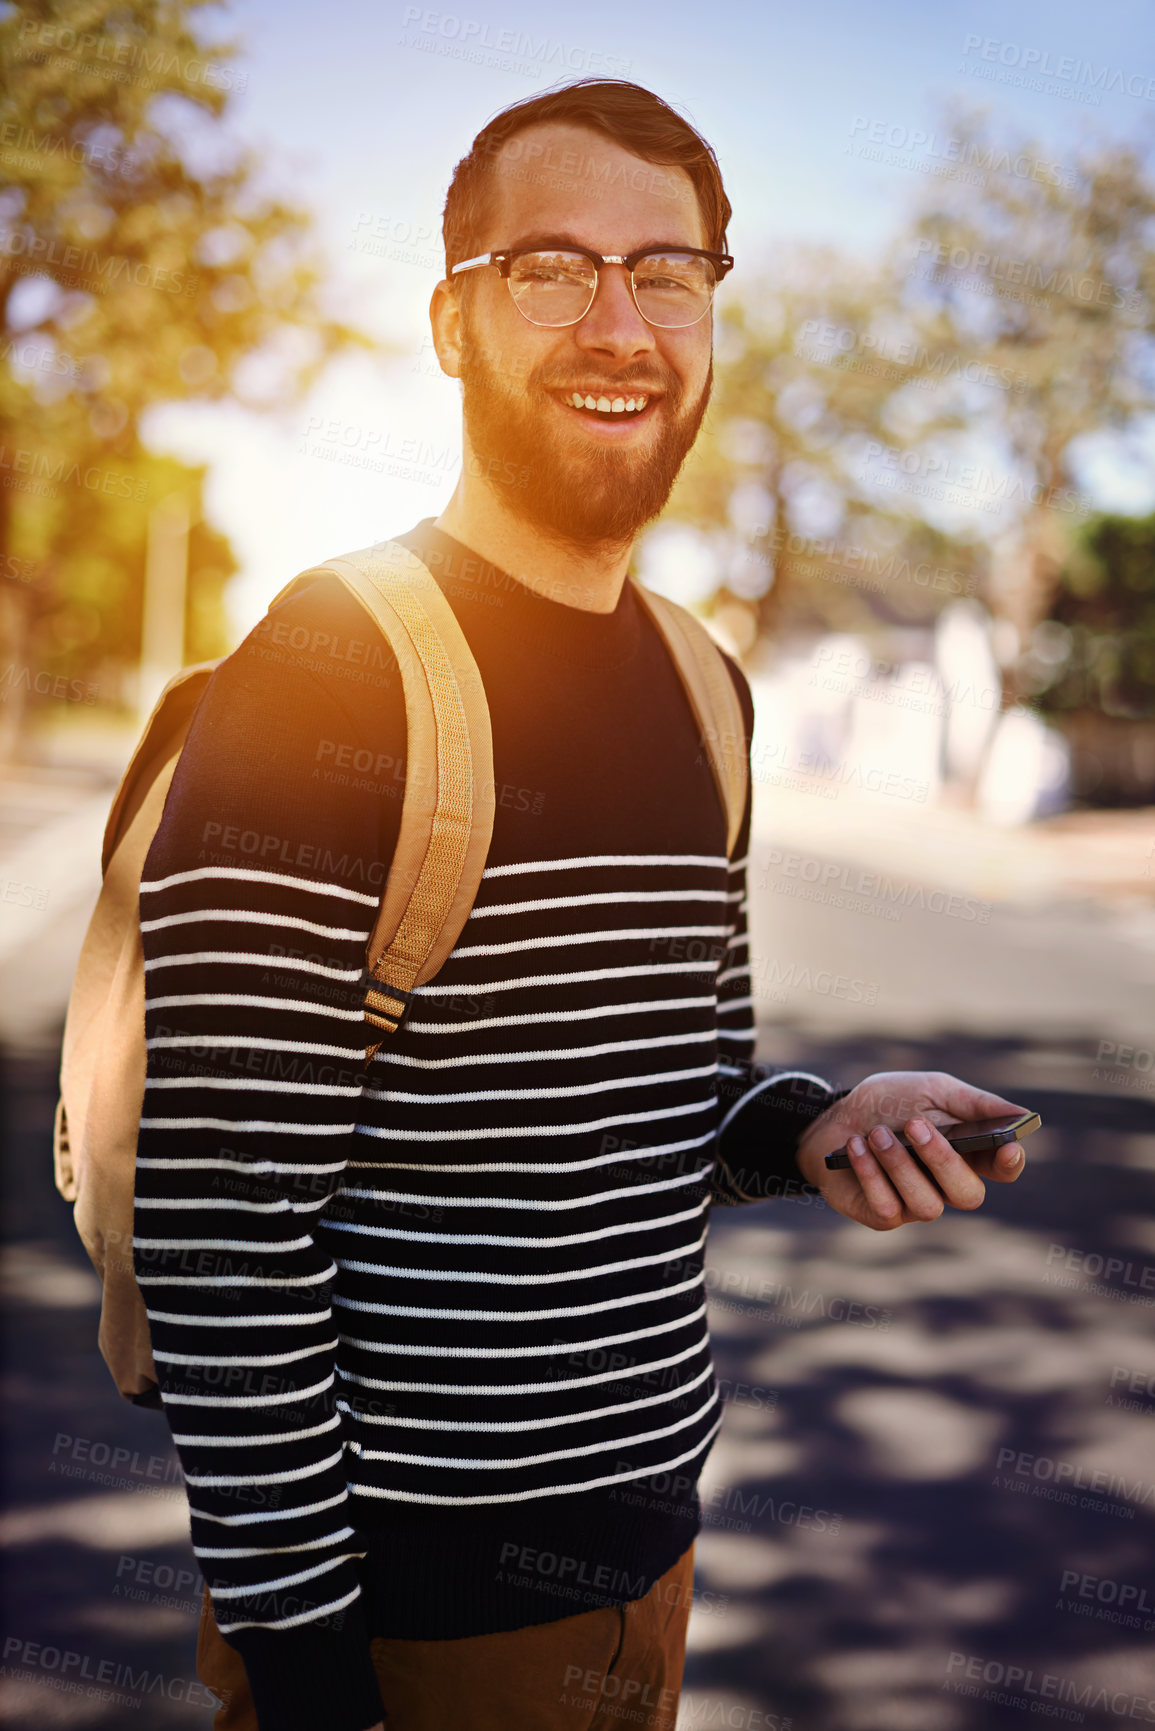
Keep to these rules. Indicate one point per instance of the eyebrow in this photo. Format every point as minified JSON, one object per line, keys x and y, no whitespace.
{"x":552,"y":238}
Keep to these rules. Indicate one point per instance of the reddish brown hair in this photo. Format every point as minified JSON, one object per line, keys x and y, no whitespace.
{"x":626,"y":114}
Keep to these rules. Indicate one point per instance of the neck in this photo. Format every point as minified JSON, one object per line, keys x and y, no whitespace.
{"x":589,"y":577}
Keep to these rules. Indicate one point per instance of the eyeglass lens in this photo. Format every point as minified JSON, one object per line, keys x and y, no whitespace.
{"x":557,"y":288}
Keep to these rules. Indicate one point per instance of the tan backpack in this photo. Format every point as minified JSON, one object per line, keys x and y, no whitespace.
{"x":446,"y":825}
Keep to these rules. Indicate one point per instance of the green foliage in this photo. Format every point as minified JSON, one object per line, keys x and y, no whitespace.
{"x":142,"y":261}
{"x":1097,"y":650}
{"x":882,"y":439}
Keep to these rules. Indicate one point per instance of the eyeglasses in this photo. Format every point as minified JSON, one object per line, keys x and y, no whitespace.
{"x":672,"y":286}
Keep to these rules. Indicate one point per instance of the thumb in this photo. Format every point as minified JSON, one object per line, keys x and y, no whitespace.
{"x":964,"y":1101}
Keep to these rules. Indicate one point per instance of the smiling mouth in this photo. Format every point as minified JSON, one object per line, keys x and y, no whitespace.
{"x":620,"y":407}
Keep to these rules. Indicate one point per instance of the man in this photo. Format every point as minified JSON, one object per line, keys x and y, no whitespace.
{"x":431,"y":1332}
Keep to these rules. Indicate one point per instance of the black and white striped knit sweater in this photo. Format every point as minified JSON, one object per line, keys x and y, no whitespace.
{"x":421,"y":1323}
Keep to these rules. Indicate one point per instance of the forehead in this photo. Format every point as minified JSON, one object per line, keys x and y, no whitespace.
{"x":562,"y":179}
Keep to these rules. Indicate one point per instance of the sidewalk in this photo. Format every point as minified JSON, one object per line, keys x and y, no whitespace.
{"x":51,"y":832}
{"x":1096,"y":855}
{"x":857,"y":881}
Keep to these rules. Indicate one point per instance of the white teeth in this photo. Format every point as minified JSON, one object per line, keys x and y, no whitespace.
{"x":606,"y":406}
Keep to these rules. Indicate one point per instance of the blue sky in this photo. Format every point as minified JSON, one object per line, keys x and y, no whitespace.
{"x":361,"y":110}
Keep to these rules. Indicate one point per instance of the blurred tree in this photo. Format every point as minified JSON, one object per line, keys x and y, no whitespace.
{"x":884,"y":439}
{"x":142,"y":261}
{"x":803,"y":383}
{"x":1097,"y":649}
{"x":1090,"y":667}
{"x":1045,"y":275}
{"x":88,"y":574}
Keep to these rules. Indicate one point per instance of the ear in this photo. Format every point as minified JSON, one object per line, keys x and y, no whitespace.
{"x":445,"y":323}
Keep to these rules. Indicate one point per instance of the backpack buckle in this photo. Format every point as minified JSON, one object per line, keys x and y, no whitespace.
{"x":385,"y":1006}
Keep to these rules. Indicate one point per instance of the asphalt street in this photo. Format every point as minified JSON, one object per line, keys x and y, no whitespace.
{"x":932,"y":1504}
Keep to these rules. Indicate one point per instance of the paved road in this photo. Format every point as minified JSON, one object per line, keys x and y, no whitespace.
{"x":927,"y":1434}
{"x":937,"y":1472}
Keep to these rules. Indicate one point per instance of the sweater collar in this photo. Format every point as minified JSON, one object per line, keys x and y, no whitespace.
{"x":489,"y":600}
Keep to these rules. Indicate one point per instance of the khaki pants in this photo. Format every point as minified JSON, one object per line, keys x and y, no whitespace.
{"x":610,"y":1670}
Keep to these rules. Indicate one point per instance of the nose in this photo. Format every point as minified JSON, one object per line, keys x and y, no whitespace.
{"x":614,"y":326}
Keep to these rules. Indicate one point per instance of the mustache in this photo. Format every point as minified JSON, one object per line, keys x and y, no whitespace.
{"x":620,"y":382}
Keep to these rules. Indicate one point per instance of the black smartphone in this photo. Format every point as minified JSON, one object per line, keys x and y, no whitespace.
{"x":978,"y":1137}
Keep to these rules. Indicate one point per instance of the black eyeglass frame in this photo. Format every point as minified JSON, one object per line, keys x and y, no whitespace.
{"x":503,"y":261}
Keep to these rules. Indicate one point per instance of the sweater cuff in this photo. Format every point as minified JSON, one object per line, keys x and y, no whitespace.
{"x":305,"y":1678}
{"x":764,"y":1116}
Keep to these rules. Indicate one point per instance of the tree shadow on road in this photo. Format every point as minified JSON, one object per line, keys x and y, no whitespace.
{"x":101,"y":1589}
{"x":940,"y":1511}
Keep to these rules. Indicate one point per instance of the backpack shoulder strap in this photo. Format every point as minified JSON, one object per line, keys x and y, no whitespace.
{"x":448,"y":808}
{"x":712,"y":698}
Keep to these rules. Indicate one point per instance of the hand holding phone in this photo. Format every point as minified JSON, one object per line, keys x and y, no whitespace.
{"x":859,"y":1154}
{"x":979,"y":1136}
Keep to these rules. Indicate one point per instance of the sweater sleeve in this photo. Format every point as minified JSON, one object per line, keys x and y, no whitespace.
{"x":762,"y":1110}
{"x":257,"y":899}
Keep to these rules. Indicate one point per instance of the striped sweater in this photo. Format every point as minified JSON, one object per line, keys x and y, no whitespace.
{"x":424,"y":1322}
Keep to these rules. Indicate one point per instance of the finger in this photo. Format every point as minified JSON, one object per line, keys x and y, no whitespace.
{"x":965,"y":1102}
{"x":881,"y":1196}
{"x":1010,"y":1162}
{"x":955,"y":1177}
{"x":916,"y":1191}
